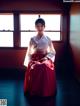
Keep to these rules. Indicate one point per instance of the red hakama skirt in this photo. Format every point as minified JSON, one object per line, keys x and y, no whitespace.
{"x":40,"y":78}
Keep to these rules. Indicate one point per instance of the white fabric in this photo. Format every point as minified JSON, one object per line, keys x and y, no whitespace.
{"x":43,"y":44}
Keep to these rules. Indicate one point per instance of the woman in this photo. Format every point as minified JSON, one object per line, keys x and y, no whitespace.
{"x":40,"y":74}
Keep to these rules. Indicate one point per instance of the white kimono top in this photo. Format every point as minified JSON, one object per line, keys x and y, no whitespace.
{"x":43,"y":44}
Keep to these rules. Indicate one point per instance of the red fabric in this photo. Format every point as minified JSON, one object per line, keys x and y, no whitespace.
{"x":40,"y":78}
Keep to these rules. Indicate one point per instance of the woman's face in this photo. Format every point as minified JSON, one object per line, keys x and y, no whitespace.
{"x":40,"y":28}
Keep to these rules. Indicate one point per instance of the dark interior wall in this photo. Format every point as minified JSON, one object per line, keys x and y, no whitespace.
{"x":75,"y":37}
{"x":30,"y":5}
{"x":14,"y":57}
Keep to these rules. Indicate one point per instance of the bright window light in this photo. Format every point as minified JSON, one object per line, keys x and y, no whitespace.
{"x":6,"y":22}
{"x":25,"y":38}
{"x":54,"y":36}
{"x":6,"y":39}
{"x":6,"y":30}
{"x":27,"y":27}
{"x":28,"y":22}
{"x":52,"y":22}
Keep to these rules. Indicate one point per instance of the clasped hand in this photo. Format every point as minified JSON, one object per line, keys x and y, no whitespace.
{"x":33,"y":63}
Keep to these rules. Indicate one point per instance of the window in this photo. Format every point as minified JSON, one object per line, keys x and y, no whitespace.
{"x":27,"y":27}
{"x":6,"y":30}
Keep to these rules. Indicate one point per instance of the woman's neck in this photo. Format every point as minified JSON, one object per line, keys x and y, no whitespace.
{"x":40,"y":35}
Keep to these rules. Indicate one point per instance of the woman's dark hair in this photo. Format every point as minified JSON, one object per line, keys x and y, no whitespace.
{"x":40,"y":20}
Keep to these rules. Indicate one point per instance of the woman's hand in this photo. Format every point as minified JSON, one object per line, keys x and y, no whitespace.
{"x":43,"y":59}
{"x":33,"y":63}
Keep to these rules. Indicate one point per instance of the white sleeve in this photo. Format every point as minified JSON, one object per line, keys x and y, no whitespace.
{"x":28,"y":54}
{"x":51,"y":51}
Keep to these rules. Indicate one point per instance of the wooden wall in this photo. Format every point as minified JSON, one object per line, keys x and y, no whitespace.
{"x":75,"y":37}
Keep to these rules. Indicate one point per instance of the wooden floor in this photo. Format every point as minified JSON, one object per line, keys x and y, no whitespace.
{"x":11,"y":88}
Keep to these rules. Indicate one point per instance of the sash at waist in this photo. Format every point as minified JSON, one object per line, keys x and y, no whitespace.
{"x":38,"y":55}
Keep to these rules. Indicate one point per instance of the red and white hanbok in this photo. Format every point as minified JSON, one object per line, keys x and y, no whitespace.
{"x":40,"y":78}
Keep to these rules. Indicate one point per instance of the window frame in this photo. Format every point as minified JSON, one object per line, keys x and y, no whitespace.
{"x":16,"y":31}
